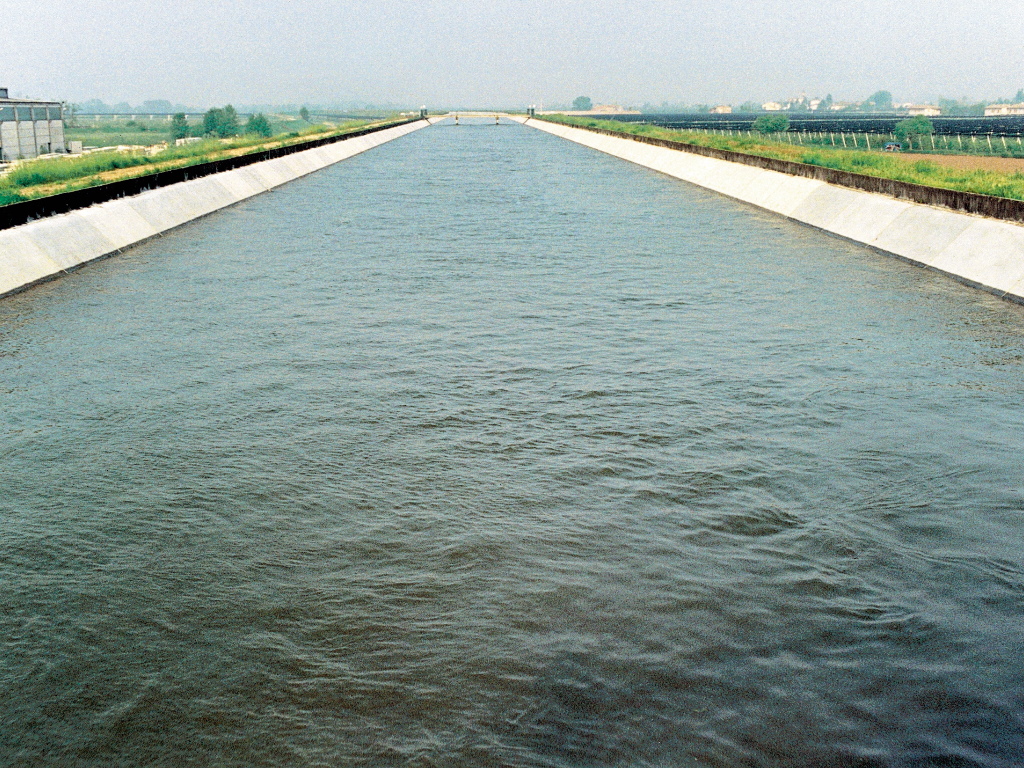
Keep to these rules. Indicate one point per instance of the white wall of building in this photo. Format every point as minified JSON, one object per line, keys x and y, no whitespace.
{"x":28,"y":130}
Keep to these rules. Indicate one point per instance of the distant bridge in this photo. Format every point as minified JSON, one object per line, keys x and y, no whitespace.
{"x":459,"y":114}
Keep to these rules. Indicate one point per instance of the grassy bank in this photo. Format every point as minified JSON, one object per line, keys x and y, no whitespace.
{"x":911,"y":169}
{"x":39,"y":178}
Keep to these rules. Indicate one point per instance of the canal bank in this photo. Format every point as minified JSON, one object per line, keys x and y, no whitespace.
{"x":46,"y":248}
{"x":514,"y":454}
{"x":980,"y":251}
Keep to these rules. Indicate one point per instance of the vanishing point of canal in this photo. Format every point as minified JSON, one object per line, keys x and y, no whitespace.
{"x":486,"y":449}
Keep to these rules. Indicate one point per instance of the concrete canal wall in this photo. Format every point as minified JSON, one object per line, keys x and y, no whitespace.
{"x":984,"y":252}
{"x":46,"y":248}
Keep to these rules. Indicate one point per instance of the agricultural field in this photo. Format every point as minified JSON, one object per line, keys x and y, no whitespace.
{"x":910,"y":167}
{"x":112,"y":133}
{"x":836,"y":122}
{"x":145,"y":132}
{"x":931,"y":144}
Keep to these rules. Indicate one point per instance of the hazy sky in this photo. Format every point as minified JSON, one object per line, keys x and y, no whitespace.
{"x":509,"y":52}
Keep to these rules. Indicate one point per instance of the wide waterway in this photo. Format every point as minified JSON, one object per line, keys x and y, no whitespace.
{"x":483,"y":448}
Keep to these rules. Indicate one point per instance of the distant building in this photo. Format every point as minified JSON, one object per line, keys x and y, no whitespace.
{"x":610,"y":109}
{"x":29,"y":128}
{"x":721,"y":109}
{"x":923,"y":110}
{"x":772,"y":106}
{"x":597,"y":109}
{"x":994,"y":110}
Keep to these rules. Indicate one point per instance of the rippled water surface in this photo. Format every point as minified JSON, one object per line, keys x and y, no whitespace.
{"x":483,"y":448}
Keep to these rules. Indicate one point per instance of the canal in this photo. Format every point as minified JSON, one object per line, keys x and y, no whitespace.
{"x":484,"y":448}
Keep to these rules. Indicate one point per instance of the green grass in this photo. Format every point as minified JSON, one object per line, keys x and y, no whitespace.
{"x":112,"y":133}
{"x":909,"y":168}
{"x":77,"y":172}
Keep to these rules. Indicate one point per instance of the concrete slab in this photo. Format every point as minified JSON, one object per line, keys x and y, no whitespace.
{"x":242,"y":183}
{"x":863,"y":222}
{"x":732,"y":179}
{"x":70,"y":240}
{"x":921,"y":232}
{"x":163,"y":208}
{"x":119,"y":224}
{"x":824,"y":205}
{"x":207,"y":195}
{"x":789,"y":193}
{"x":760,"y":191}
{"x":273,"y":173}
{"x":990,"y":253}
{"x":24,"y":262}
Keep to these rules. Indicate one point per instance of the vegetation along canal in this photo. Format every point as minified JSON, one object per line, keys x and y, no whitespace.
{"x":483,"y":448}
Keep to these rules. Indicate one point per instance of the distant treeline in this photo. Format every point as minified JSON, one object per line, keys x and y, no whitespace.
{"x":165,"y":107}
{"x":878,"y":102}
{"x":220,"y":122}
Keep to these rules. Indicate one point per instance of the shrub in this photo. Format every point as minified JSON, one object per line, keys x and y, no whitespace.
{"x":771,"y":124}
{"x":179,"y":127}
{"x":259,"y":125}
{"x":906,"y":130}
{"x":221,"y":122}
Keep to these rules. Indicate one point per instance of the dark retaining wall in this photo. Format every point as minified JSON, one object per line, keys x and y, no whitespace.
{"x":15,"y":214}
{"x":970,"y":202}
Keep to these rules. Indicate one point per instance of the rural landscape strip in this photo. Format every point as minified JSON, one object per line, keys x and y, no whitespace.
{"x":96,"y":187}
{"x":989,"y":193}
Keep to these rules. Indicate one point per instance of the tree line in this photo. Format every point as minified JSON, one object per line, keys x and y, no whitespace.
{"x":905,"y":131}
{"x":221,"y":123}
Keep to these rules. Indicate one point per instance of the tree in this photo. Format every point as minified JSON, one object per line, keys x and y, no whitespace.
{"x":304,"y":114}
{"x":156,"y":105}
{"x":582,"y":104}
{"x":179,"y":126}
{"x":954,"y":107}
{"x":880,"y":101}
{"x":771,"y":124}
{"x":221,"y":121}
{"x":908,"y":130}
{"x":826,"y":104}
{"x":1019,"y":98}
{"x":259,"y":125}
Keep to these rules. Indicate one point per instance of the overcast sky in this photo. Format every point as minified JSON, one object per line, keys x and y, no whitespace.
{"x":509,"y":52}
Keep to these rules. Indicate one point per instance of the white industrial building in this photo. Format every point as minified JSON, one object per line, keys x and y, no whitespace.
{"x":29,"y":128}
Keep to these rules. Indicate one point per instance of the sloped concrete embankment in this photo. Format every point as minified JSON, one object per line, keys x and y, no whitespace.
{"x":46,"y":248}
{"x":984,"y":252}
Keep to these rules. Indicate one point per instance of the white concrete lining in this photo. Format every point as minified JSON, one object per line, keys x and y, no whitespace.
{"x":985,"y":252}
{"x":44,"y":249}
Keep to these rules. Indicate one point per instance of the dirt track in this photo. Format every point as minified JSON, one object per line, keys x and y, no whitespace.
{"x":973,"y":162}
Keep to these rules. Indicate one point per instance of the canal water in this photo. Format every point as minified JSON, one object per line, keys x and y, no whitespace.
{"x":483,"y":448}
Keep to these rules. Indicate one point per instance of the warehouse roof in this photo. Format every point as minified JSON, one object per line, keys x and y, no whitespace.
{"x":5,"y":99}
